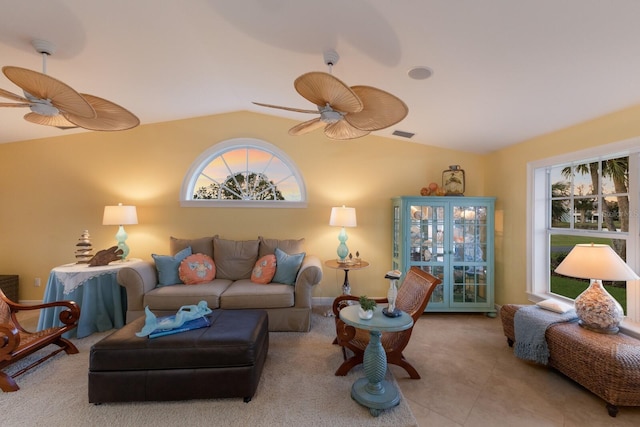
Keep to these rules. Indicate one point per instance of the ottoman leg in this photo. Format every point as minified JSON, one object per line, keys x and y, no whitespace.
{"x":612,"y":409}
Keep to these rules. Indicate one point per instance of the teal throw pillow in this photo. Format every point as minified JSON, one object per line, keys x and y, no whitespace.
{"x":168,"y":266}
{"x":287,"y":266}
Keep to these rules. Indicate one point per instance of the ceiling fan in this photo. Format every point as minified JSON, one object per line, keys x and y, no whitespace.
{"x":345,"y":112}
{"x":54,"y":103}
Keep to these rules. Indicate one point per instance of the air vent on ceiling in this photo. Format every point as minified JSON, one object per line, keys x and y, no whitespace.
{"x":403,"y":134}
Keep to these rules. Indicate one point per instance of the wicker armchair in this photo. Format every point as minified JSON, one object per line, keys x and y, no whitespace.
{"x":413,"y":296}
{"x":17,"y":343}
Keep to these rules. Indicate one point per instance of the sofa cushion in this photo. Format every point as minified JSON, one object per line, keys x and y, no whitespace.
{"x":246,"y":294}
{"x":234,"y":259}
{"x":290,"y":246}
{"x":167,"y":266}
{"x":202,"y":245}
{"x":264,"y":270}
{"x":171,"y":298}
{"x":287,"y":266}
{"x":196,"y":269}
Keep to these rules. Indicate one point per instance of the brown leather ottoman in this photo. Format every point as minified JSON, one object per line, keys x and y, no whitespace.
{"x":223,"y":360}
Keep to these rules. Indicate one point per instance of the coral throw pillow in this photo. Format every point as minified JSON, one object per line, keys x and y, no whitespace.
{"x":197,"y":268}
{"x":264,"y":270}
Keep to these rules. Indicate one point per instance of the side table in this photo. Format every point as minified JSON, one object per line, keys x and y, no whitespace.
{"x":102,"y":301}
{"x":373,"y":391}
{"x":346,"y":266}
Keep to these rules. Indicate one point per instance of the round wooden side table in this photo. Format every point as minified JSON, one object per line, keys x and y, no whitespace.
{"x":346,"y":266}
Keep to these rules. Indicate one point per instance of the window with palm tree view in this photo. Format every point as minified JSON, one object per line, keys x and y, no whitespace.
{"x":588,"y":203}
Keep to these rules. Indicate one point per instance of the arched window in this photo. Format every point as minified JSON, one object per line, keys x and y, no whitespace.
{"x":243,"y":172}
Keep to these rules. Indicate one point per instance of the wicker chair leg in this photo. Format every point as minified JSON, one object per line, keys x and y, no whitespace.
{"x":347,"y":365}
{"x":404,"y":364}
{"x":7,"y":384}
{"x":612,"y":409}
{"x":67,"y":345}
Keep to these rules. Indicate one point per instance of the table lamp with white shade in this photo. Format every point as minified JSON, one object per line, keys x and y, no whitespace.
{"x":120,"y":215}
{"x":343,"y":217}
{"x":597,"y":310}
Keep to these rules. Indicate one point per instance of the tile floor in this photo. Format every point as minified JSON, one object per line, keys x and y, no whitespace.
{"x":470,"y":377}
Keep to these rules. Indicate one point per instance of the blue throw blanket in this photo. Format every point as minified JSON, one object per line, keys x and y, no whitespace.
{"x":530,"y":324}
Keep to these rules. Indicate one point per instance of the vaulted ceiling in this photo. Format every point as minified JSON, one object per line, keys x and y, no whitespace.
{"x":503,"y":71}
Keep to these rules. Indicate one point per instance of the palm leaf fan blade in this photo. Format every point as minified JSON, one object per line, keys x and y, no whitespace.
{"x":322,"y":89}
{"x":110,"y":116}
{"x":381,"y":109}
{"x":14,"y":104}
{"x":343,"y":130}
{"x":306,"y":127}
{"x":57,"y":121}
{"x":12,"y":96}
{"x":44,"y":87}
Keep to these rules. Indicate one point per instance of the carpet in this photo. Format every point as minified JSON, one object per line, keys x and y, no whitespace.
{"x":297,"y":387}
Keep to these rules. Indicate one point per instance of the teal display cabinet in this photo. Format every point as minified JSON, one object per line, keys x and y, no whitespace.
{"x":453,"y":239}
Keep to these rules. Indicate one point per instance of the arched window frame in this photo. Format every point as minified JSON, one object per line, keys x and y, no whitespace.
{"x":201,"y":162}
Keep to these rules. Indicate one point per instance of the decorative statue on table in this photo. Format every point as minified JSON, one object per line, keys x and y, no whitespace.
{"x":185,"y":314}
{"x":392,"y":293}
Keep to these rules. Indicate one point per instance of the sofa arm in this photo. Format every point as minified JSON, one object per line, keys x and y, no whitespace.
{"x":137,"y":279}
{"x":309,"y":275}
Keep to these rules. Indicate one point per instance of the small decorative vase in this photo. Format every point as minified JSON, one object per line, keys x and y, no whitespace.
{"x":365,"y":314}
{"x":392,"y":294}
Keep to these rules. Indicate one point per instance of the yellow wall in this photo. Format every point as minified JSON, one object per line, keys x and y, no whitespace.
{"x":506,"y":174}
{"x":52,"y":189}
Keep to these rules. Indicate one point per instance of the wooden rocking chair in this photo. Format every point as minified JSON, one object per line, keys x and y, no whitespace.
{"x":17,"y":343}
{"x":413,"y":297}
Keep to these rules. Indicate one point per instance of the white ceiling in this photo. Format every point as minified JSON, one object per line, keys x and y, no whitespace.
{"x":504,"y":70}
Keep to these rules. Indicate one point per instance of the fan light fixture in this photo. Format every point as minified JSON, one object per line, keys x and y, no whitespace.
{"x":53,"y":103}
{"x":345,"y":112}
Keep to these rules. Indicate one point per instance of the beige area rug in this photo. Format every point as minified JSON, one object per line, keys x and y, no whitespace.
{"x":297,"y":388}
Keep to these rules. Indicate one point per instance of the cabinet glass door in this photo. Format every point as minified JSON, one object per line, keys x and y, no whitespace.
{"x":428,"y":243}
{"x":469,"y":255}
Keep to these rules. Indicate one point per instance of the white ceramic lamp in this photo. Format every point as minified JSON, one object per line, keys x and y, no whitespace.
{"x":343,"y":217}
{"x":597,"y":310}
{"x":120,"y":215}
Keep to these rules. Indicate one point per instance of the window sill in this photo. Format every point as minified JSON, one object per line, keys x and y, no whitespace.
{"x":630,"y":328}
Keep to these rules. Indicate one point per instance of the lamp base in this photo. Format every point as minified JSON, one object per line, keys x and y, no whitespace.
{"x":597,"y":310}
{"x":611,"y":331}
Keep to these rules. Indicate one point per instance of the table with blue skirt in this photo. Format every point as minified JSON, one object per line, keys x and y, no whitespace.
{"x":102,"y":301}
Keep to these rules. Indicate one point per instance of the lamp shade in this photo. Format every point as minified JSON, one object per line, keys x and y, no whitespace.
{"x":343,"y":217}
{"x":593,"y":261}
{"x":119,"y":215}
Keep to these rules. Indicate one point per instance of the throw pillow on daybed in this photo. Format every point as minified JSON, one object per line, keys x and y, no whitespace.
{"x":167,"y":267}
{"x":555,"y":306}
{"x":264,"y":270}
{"x":287,"y":266}
{"x":196,"y":269}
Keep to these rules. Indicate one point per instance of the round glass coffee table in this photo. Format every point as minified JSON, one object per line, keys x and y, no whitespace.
{"x":373,"y":391}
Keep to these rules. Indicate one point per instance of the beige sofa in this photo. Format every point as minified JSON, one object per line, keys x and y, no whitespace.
{"x":288,"y":305}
